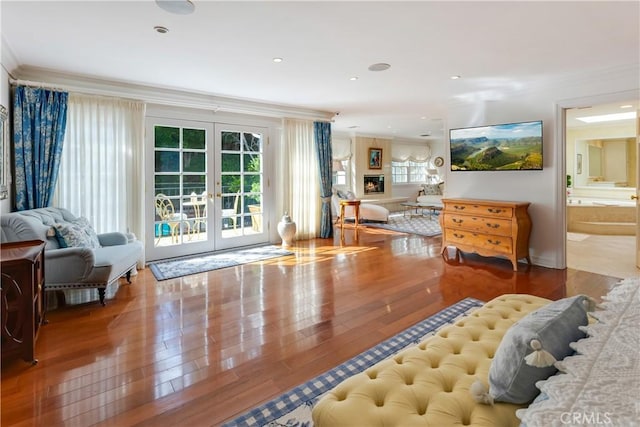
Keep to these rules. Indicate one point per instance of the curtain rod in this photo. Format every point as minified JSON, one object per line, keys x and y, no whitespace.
{"x":30,"y":83}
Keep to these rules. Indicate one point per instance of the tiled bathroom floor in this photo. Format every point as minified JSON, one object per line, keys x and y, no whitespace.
{"x":608,"y":255}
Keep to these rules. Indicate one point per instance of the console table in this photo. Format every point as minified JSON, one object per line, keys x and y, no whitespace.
{"x":21,"y":297}
{"x":487,"y":227}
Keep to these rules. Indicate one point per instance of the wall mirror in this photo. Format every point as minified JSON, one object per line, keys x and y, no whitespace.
{"x":606,"y":163}
{"x":4,"y":154}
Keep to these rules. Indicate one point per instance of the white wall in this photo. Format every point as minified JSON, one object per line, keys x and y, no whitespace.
{"x":545,"y":189}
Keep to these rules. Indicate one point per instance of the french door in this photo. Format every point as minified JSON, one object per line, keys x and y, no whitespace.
{"x":240,"y":186}
{"x":205,"y":187}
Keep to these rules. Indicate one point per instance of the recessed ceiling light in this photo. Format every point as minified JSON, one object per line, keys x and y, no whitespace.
{"x":354,"y":78}
{"x":178,"y":7}
{"x":423,"y":118}
{"x":608,"y":117}
{"x":456,"y":77}
{"x":277,"y":60}
{"x":626,"y":106}
{"x":160,"y":29}
{"x":380,"y":66}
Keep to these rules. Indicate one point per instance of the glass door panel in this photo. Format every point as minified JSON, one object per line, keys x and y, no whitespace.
{"x":180,"y":178}
{"x":240,"y":186}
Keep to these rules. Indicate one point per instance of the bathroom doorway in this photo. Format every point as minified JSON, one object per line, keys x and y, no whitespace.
{"x":602,"y":181}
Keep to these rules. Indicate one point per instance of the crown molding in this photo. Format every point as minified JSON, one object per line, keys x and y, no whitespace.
{"x":8,"y":58}
{"x":162,"y":95}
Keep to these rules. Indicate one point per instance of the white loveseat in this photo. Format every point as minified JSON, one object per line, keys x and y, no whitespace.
{"x":73,"y":266}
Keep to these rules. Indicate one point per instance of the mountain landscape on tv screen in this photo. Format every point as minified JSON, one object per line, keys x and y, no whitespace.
{"x":509,"y":149}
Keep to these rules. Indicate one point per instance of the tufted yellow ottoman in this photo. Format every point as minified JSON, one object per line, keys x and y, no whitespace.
{"x":428,"y":385}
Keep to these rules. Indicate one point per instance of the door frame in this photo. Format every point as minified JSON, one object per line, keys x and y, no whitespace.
{"x":561,"y":155}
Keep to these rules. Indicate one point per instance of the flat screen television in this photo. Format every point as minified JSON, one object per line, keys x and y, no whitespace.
{"x":508,"y":146}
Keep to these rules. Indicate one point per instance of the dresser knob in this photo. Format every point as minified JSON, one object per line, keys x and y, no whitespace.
{"x":457,"y":221}
{"x":493,"y":225}
{"x":494,"y":242}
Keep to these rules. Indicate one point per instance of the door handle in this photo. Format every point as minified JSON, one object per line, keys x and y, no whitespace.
{"x":634,"y":197}
{"x":217,"y":195}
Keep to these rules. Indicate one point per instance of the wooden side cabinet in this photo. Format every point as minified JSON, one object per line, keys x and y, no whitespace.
{"x":487,"y":227}
{"x":21,"y":297}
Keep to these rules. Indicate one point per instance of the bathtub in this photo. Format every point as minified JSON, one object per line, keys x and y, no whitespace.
{"x":601,"y":216}
{"x":590,"y":201}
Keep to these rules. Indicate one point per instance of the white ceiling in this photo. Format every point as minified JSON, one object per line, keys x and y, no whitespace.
{"x":226,"y":48}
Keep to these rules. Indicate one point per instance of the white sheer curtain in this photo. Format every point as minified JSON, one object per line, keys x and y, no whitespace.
{"x":102,"y":166}
{"x":301,"y":178}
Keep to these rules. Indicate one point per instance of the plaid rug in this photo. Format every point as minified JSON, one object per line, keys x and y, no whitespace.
{"x":423,"y":225}
{"x":293,"y":409}
{"x":178,"y":267}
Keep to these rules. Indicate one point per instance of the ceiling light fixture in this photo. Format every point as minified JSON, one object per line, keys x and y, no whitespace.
{"x":160,"y":29}
{"x":380,"y":66}
{"x":277,"y":60}
{"x":354,"y":78}
{"x":608,"y":117}
{"x":456,"y":77}
{"x":177,"y":7}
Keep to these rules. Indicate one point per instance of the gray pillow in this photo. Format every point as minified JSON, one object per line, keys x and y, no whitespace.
{"x":554,"y":326}
{"x":76,"y":233}
{"x":432,"y":189}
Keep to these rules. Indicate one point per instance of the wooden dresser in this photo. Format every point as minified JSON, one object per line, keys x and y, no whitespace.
{"x":487,"y":227}
{"x":21,"y":297}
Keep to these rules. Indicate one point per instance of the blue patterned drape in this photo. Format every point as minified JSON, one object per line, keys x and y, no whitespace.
{"x":322,"y":132}
{"x":39,"y":122}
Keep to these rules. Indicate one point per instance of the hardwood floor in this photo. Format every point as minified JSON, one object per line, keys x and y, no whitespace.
{"x":199,"y":350}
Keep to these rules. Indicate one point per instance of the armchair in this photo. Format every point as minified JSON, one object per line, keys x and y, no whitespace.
{"x":80,"y":262}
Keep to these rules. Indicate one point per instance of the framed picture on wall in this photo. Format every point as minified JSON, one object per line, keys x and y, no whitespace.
{"x":375,"y":158}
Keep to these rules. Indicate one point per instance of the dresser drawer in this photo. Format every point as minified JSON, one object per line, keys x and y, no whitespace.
{"x":484,"y":210}
{"x":498,"y":244}
{"x":501,"y":227}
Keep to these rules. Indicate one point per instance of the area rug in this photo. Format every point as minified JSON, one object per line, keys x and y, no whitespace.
{"x":178,"y":267}
{"x":423,"y":225}
{"x":294,"y":407}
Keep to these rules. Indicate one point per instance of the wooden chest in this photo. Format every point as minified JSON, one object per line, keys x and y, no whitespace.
{"x":487,"y":227}
{"x":21,"y":296}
